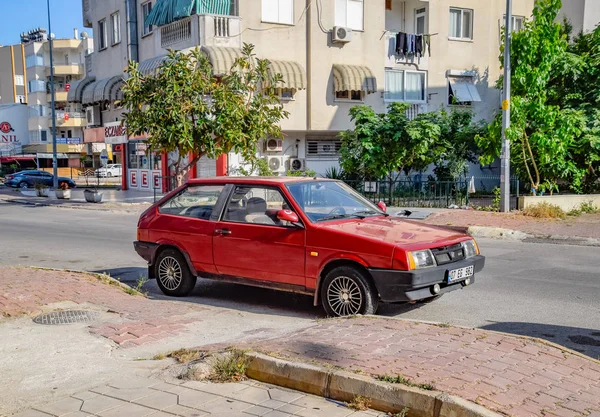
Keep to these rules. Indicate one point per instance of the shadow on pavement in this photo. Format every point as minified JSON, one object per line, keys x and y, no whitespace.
{"x":586,"y":341}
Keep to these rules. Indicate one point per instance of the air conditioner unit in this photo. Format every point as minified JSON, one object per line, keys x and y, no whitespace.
{"x":273,"y":145}
{"x":341,"y":34}
{"x":92,"y":115}
{"x":297,"y":164}
{"x":276,"y":163}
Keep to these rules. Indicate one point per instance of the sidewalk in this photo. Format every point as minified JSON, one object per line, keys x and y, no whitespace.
{"x":584,"y":226}
{"x":127,"y":397}
{"x":516,"y":376}
{"x":136,"y":201}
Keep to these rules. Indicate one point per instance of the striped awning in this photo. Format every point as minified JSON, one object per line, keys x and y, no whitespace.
{"x":354,"y":78}
{"x":150,"y":66}
{"x":292,"y":73}
{"x":221,"y":58}
{"x":168,"y":11}
{"x":75,"y":94}
{"x":107,"y":89}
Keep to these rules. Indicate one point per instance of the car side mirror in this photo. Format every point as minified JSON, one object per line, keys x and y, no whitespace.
{"x":382,"y":206}
{"x":289,"y":216}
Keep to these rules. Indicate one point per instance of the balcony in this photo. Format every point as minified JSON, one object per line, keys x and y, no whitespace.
{"x":89,"y":64}
{"x":65,"y":44}
{"x":87,"y":13}
{"x":72,"y":69}
{"x":202,"y":30}
{"x":410,"y":17}
{"x":75,"y":119}
{"x":60,"y":94}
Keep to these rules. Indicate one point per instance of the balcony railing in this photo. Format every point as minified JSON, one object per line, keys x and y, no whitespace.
{"x":88,"y":64}
{"x":200,"y":30}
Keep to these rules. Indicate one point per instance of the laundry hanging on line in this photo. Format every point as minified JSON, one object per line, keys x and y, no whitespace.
{"x":409,"y":44}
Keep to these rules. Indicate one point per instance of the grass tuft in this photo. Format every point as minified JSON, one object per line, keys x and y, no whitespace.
{"x":401,"y":379}
{"x":230,"y":367}
{"x":359,"y":403}
{"x":181,"y":355}
{"x":545,"y":210}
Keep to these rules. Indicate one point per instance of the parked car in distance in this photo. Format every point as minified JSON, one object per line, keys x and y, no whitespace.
{"x":311,"y":236}
{"x":29,"y":178}
{"x":111,"y":170}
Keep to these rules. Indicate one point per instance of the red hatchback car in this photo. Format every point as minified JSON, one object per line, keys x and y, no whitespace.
{"x":312,"y":236}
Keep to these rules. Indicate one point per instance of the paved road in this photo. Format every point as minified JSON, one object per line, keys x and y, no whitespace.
{"x":543,"y":290}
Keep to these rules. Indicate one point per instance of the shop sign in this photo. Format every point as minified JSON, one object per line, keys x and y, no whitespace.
{"x":115,"y":133}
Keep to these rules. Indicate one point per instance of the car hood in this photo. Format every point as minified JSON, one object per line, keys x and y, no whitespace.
{"x":408,"y":234}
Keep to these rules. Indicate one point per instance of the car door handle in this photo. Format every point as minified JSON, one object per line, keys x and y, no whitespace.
{"x":223,"y":232}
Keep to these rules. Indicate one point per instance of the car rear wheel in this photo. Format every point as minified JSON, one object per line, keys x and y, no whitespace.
{"x":23,"y":185}
{"x":173,"y":275}
{"x":347,"y":292}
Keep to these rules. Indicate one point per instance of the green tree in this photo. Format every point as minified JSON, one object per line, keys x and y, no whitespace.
{"x":546,"y":134}
{"x":381,"y":145}
{"x":185,"y":109}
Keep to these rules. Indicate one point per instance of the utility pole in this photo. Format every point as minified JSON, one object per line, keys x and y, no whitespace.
{"x":52,"y":103}
{"x":505,"y":156}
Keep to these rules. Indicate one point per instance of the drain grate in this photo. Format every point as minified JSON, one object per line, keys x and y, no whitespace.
{"x":66,"y":317}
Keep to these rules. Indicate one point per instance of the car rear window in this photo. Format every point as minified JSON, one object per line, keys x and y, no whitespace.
{"x":195,"y":201}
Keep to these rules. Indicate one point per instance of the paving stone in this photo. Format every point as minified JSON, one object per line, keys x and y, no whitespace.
{"x":225,"y":405}
{"x":133,"y":382}
{"x":158,"y":400}
{"x":252,"y":395}
{"x":182,"y":411}
{"x":277,"y":413}
{"x":284,"y":395}
{"x":62,"y":406}
{"x":101,"y":403}
{"x":291,"y":408}
{"x":85,"y":395}
{"x":128,"y":410}
{"x":32,"y":413}
{"x":218,"y":389}
{"x":258,"y":410}
{"x":128,"y":394}
{"x":195,"y":399}
{"x":274,"y":404}
{"x":78,"y":414}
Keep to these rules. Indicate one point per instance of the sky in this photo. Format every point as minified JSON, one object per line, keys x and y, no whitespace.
{"x":23,"y":15}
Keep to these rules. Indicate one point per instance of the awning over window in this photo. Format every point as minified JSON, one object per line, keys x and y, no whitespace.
{"x":354,"y":78}
{"x":221,"y":58}
{"x":293,"y":74}
{"x":464,"y":89}
{"x":75,"y":94}
{"x":150,"y":66}
{"x":107,"y":89}
{"x":168,"y":11}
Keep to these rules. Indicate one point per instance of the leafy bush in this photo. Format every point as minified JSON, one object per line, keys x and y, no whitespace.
{"x":545,"y":210}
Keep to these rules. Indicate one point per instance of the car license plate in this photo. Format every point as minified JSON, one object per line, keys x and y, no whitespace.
{"x":460,"y":274}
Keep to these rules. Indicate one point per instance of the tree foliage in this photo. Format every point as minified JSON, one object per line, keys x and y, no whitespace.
{"x":554,"y":106}
{"x":382,"y":145}
{"x":185,"y":109}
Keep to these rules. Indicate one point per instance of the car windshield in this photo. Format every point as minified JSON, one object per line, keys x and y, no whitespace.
{"x":331,"y":200}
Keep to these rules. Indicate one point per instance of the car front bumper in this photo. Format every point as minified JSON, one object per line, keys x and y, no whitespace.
{"x":396,"y":286}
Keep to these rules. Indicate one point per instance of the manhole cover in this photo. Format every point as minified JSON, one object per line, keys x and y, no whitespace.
{"x":66,"y":317}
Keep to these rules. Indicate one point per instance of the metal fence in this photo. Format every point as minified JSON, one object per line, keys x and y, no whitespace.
{"x":414,"y":192}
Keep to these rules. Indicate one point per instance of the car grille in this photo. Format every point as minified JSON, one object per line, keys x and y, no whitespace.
{"x":448,"y":254}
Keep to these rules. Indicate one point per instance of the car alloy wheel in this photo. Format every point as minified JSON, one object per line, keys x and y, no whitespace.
{"x":23,"y":185}
{"x":170,"y":273}
{"x":344,"y":296}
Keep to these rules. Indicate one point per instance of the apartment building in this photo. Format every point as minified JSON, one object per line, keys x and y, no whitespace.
{"x":332,"y":54}
{"x":12,"y":75}
{"x":69,"y":56}
{"x":584,"y":15}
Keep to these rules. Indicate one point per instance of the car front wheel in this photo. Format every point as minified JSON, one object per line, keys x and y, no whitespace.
{"x":23,"y":185}
{"x":347,"y":292}
{"x":173,"y":275}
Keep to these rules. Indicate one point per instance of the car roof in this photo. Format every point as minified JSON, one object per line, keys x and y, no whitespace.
{"x":254,"y":180}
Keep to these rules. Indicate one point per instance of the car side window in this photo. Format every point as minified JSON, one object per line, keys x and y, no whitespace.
{"x":196,"y":201}
{"x":258,"y":205}
{"x":45,"y":174}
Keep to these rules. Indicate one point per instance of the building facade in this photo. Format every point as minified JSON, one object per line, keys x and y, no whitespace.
{"x":584,"y":15}
{"x":12,"y":75}
{"x":332,"y":54}
{"x":69,"y":58}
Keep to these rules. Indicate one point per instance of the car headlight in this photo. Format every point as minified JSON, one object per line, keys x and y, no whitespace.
{"x":471,"y":249}
{"x":421,"y":259}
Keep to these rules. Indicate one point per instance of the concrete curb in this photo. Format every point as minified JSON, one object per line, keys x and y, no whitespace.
{"x":345,"y":386}
{"x":126,"y":207}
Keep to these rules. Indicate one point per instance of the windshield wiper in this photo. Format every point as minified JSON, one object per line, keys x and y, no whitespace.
{"x":336,"y":216}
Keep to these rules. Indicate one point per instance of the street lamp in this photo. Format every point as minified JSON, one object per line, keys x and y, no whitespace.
{"x":52,"y":103}
{"x":505,"y":155}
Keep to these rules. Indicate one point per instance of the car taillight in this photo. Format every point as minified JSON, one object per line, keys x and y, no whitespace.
{"x":10,"y":177}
